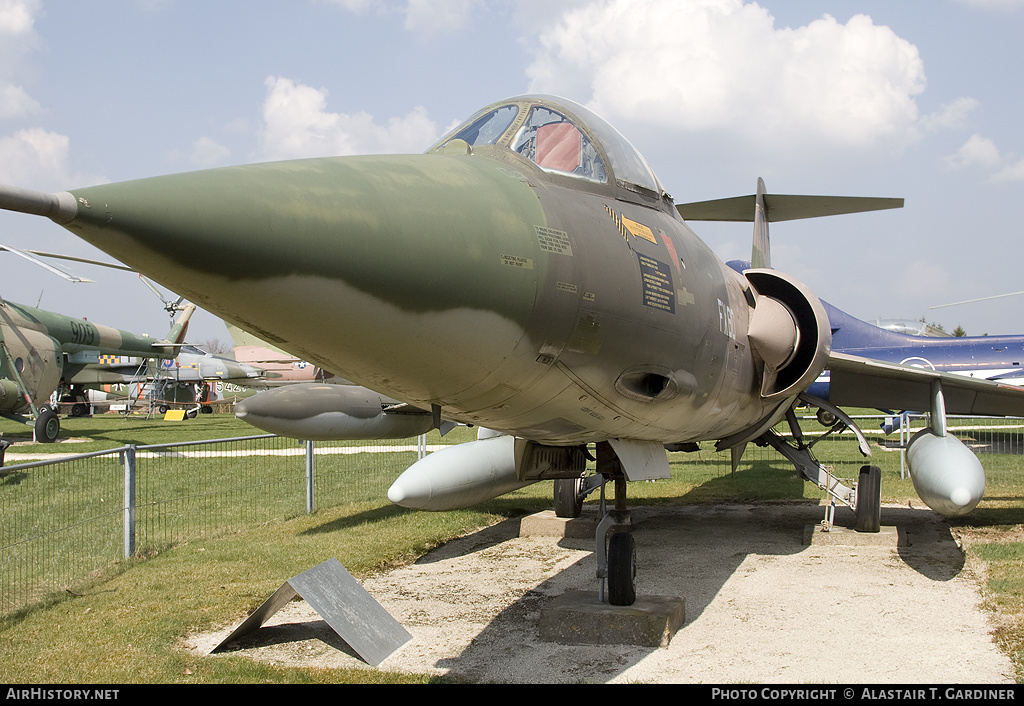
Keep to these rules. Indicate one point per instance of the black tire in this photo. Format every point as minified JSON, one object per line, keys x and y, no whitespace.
{"x":869,"y":499}
{"x":47,"y":426}
{"x":79,"y":410}
{"x":568,"y":502}
{"x":621,"y":569}
{"x":163,"y":409}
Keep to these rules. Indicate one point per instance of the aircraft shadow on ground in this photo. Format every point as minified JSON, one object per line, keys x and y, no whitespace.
{"x":685,"y":548}
{"x":692,"y":551}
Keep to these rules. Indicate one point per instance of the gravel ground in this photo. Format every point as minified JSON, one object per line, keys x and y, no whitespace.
{"x":761,"y":605}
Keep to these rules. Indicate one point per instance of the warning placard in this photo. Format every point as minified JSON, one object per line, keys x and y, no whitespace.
{"x":659,"y":292}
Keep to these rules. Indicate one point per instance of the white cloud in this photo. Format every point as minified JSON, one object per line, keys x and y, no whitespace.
{"x":15,"y":102}
{"x":37,"y":158}
{"x":982,"y":152}
{"x":952,"y":115}
{"x":205,"y":153}
{"x":297,"y":124}
{"x":978,"y":151}
{"x":208,"y":153}
{"x":1011,"y":172}
{"x":17,"y":17}
{"x":722,"y":65}
{"x":17,"y":38}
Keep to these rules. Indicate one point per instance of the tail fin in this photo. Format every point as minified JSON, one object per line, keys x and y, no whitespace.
{"x":761,"y":255}
{"x":763,"y":207}
{"x":177,"y":332}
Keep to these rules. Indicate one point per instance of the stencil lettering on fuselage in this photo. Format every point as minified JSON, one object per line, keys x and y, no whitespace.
{"x":726,"y":320}
{"x":554,"y":241}
{"x":659,"y":292}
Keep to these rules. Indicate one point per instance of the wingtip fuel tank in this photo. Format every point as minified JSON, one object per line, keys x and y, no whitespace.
{"x":947,"y":475}
{"x":313,"y":411}
{"x":459,"y":476}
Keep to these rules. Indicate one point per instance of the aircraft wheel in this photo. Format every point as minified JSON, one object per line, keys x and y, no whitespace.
{"x":869,"y":499}
{"x":163,"y":409}
{"x":568,"y":502}
{"x":78,"y":410}
{"x":47,"y":425}
{"x":621,"y":569}
{"x":826,"y":418}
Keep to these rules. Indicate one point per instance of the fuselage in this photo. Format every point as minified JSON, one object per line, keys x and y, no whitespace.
{"x":528,"y":274}
{"x":987,"y":357}
{"x":472,"y":282}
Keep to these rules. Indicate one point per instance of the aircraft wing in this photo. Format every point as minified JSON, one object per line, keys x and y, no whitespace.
{"x":863,"y":382}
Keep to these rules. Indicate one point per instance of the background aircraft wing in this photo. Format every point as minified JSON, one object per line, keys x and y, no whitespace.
{"x":863,"y":382}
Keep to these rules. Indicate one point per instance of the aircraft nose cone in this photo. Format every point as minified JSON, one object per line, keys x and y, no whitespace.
{"x":416,"y":275}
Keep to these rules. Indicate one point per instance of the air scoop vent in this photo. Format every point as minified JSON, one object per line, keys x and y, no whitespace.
{"x":647,"y":383}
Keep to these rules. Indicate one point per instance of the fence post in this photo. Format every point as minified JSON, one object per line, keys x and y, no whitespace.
{"x":129,"y":501}
{"x":904,"y":436}
{"x":309,"y":477}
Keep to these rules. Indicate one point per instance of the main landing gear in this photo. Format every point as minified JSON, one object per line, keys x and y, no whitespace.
{"x":615,"y":548}
{"x":47,"y":425}
{"x":865,"y":497}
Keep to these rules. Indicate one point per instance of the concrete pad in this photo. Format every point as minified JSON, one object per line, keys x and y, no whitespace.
{"x":886,"y":536}
{"x":547,"y":524}
{"x":579,"y":618}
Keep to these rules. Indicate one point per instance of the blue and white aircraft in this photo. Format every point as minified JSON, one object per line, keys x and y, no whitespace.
{"x":988,"y":357}
{"x":998,"y":358}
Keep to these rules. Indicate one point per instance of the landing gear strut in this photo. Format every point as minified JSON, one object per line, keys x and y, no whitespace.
{"x":865,"y":497}
{"x":617,"y":566}
{"x":615,"y":548}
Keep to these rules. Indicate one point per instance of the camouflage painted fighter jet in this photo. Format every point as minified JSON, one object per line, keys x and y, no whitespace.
{"x":530,"y":275}
{"x":280,"y":367}
{"x":192,"y":368}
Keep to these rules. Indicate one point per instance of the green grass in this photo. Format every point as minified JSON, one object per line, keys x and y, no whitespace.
{"x":105,"y":431}
{"x":127,"y":622}
{"x":992,"y":537}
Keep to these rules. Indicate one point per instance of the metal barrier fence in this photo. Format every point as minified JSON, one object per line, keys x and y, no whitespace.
{"x":67,"y":518}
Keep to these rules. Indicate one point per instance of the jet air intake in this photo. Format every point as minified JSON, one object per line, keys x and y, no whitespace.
{"x":789,"y":331}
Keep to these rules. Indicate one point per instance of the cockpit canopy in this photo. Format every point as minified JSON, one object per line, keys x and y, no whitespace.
{"x":560,"y":137}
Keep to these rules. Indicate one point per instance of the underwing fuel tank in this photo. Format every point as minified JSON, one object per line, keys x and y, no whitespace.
{"x":317,"y":412}
{"x":459,"y":476}
{"x":947,"y":475}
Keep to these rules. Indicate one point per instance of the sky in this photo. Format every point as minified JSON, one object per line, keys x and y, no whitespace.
{"x":919,"y":99}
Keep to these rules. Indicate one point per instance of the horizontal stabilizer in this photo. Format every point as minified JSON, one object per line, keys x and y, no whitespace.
{"x":782,"y":207}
